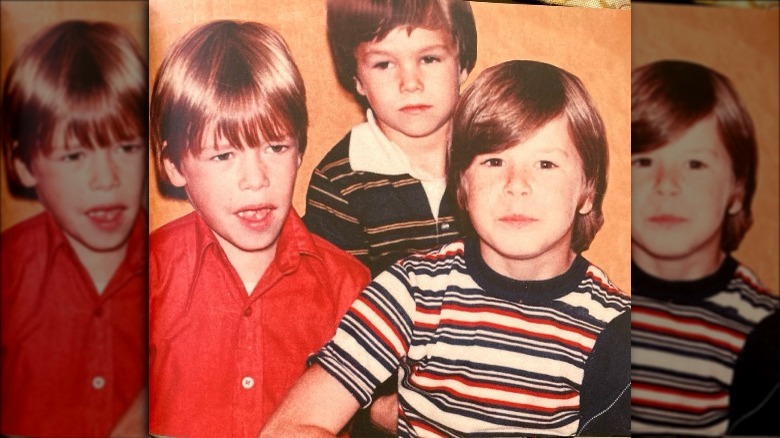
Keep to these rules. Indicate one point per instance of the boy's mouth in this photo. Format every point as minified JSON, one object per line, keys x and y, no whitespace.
{"x":414,"y":109}
{"x":667,"y":219}
{"x":256,"y":217}
{"x":517,"y":219}
{"x":107,"y":217}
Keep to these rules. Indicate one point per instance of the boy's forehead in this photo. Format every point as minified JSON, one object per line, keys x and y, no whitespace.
{"x":421,"y":36}
{"x":702,"y":135}
{"x":66,"y":137}
{"x":214,"y":139}
{"x":552,"y":136}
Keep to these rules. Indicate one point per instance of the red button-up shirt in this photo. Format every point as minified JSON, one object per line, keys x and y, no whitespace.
{"x":73,"y":360}
{"x":222,"y":360}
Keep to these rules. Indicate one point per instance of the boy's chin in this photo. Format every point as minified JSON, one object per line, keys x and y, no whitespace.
{"x":251,"y":242}
{"x":100,"y":244}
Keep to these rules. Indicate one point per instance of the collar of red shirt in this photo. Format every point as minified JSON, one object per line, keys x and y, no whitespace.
{"x":136,"y":256}
{"x":294,"y":240}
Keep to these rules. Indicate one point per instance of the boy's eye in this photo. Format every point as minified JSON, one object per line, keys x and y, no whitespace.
{"x":430,"y":59}
{"x":130,"y":148}
{"x":73,"y":156}
{"x":278,"y":148}
{"x":641,"y":162}
{"x":493,"y":162}
{"x":544,"y":164}
{"x":222,"y":157}
{"x":696,"y":164}
{"x":382,"y":65}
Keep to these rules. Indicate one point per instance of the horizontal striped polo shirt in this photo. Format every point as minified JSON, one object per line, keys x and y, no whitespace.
{"x":478,"y":353}
{"x":379,"y":216}
{"x":686,"y":338}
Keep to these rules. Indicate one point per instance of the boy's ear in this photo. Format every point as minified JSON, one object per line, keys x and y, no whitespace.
{"x":26,"y":176}
{"x":737,"y":198}
{"x":464,"y":74}
{"x":359,"y":86}
{"x":174,"y":175}
{"x":586,"y":201}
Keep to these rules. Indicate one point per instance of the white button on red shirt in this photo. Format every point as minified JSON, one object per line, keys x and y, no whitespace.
{"x":98,"y":382}
{"x":247,"y":382}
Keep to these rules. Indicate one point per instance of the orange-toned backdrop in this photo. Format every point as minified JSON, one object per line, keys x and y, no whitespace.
{"x":743,"y":44}
{"x":21,"y":21}
{"x":593,"y":44}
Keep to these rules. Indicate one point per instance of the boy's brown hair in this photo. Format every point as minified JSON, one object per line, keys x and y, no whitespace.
{"x":505,"y":105}
{"x":235,"y":80}
{"x":668,"y":97}
{"x":73,"y":80}
{"x":353,"y":22}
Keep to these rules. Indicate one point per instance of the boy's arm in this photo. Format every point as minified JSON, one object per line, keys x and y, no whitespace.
{"x":383,"y":413}
{"x":755,"y":388}
{"x":605,"y":397}
{"x":316,"y":406}
{"x":350,"y":366}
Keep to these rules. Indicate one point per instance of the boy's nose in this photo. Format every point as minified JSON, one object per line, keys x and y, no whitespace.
{"x":104,"y":171}
{"x":667,"y":181}
{"x":411,"y":78}
{"x":517,"y":182}
{"x":254,"y":174}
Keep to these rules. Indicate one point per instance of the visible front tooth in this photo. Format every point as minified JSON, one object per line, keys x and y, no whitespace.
{"x":105,"y":214}
{"x":252,"y":214}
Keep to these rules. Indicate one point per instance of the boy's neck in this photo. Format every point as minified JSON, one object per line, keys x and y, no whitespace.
{"x":678,"y":269}
{"x":249,"y":265}
{"x":100,"y":265}
{"x":542,"y":267}
{"x":427,"y":155}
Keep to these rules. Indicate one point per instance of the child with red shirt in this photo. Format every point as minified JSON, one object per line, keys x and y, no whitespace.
{"x":74,"y":277}
{"x":241,"y":292}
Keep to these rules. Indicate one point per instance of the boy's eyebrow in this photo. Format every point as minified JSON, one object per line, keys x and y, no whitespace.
{"x":74,"y":144}
{"x":224,"y":143}
{"x":553,"y":149}
{"x":705,"y":150}
{"x":382,"y":52}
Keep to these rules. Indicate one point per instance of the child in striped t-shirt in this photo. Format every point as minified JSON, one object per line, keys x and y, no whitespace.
{"x":511,"y":331}
{"x":704,"y":331}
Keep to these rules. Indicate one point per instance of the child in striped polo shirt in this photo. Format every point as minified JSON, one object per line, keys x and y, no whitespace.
{"x":380,"y":192}
{"x":704,"y":331}
{"x":511,"y":331}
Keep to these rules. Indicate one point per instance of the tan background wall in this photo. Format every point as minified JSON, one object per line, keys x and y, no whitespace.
{"x":20,"y":22}
{"x":743,"y":44}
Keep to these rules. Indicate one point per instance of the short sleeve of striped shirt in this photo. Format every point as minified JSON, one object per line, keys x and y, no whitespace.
{"x":373,"y":337}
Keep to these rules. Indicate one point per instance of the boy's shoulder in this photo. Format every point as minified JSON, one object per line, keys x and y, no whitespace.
{"x":174,"y":238}
{"x":745,"y":295}
{"x":336,"y":161}
{"x":31,"y":234}
{"x":25,"y":249}
{"x":180,"y":228}
{"x":598,"y":279}
{"x":597,"y":295}
{"x":449,"y":251}
{"x":436,"y":263}
{"x":335,"y":258}
{"x":747,"y":281}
